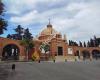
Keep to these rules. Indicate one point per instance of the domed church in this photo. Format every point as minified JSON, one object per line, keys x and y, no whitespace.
{"x":57,"y":42}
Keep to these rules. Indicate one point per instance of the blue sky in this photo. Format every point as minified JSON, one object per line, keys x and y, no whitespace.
{"x":78,"y":19}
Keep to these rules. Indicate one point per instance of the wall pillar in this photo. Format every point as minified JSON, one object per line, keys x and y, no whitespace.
{"x":65,"y":49}
{"x":91,"y":57}
{"x":81,"y":55}
{"x":53,"y":48}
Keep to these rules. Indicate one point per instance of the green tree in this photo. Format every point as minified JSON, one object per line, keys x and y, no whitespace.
{"x":46,"y":47}
{"x":84,"y":44}
{"x":80,"y":44}
{"x":69,"y":43}
{"x":9,"y":36}
{"x":91,"y":43}
{"x":27,"y":35}
{"x":19,"y":31}
{"x":27,"y":41}
{"x":3,"y":23}
{"x":1,"y":7}
{"x":88,"y":44}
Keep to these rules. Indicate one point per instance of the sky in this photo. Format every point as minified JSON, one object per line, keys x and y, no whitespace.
{"x":78,"y":19}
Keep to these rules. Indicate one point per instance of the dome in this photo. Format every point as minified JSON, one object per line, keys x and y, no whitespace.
{"x":49,"y":33}
{"x":49,"y":30}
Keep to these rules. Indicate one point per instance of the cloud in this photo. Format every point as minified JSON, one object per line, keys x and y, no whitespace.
{"x":79,"y":19}
{"x":84,"y":24}
{"x":25,"y":19}
{"x":19,"y":6}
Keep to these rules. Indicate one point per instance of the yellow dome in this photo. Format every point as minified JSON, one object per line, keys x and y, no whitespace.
{"x":49,"y":33}
{"x":49,"y":30}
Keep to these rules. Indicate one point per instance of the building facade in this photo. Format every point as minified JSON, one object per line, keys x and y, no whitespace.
{"x":57,"y":43}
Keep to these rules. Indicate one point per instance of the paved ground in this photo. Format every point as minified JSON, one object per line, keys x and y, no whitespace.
{"x":51,"y":71}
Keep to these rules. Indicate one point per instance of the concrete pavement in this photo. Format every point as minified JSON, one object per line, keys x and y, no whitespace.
{"x":53,"y":71}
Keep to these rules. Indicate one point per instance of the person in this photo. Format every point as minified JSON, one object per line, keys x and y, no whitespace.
{"x":54,"y":60}
{"x":39,"y":61}
{"x":65,"y":60}
{"x":13,"y":66}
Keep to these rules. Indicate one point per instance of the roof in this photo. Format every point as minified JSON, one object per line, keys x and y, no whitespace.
{"x":49,"y":31}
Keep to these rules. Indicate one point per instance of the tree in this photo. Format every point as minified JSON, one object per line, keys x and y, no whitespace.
{"x":75,"y":44}
{"x":3,"y":23}
{"x":80,"y":44}
{"x":69,"y":43}
{"x":72,"y":43}
{"x":27,"y":35}
{"x":84,"y":44}
{"x":27,"y":41}
{"x":28,"y":45}
{"x":19,"y":31}
{"x":9,"y":36}
{"x":88,"y":44}
{"x":96,"y":42}
{"x":45,"y":47}
{"x":18,"y":35}
{"x":95,"y":37}
{"x":91,"y":43}
{"x":1,"y":7}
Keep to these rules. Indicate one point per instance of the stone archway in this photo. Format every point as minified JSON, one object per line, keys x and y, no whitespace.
{"x":86,"y":54}
{"x":96,"y":54}
{"x":10,"y":52}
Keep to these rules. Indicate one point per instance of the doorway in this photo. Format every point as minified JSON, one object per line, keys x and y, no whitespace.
{"x":60,"y":51}
{"x":10,"y":52}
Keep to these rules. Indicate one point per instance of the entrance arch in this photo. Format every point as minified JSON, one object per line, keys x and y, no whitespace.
{"x":86,"y":54}
{"x":96,"y":54}
{"x":10,"y":52}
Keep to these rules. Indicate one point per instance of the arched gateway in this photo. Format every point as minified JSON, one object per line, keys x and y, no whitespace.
{"x":86,"y":54}
{"x":11,"y":50}
{"x":96,"y":54}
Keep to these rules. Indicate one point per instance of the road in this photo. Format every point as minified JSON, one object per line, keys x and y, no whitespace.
{"x":51,"y":71}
